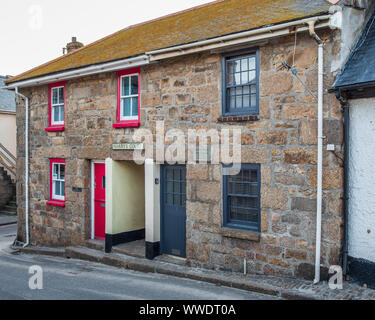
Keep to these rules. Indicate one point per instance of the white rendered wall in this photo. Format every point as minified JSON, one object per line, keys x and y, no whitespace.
{"x":8,"y":132}
{"x":362,"y":179}
{"x":125,"y":197}
{"x":152,"y":199}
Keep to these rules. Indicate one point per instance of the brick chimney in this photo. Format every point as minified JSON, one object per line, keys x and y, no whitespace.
{"x":74,"y":45}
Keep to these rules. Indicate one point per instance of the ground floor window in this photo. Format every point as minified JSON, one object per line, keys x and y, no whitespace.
{"x":57,"y":179}
{"x":242,"y":198}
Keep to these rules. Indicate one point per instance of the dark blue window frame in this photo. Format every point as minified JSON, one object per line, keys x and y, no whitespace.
{"x":242,"y":224}
{"x":227,"y":111}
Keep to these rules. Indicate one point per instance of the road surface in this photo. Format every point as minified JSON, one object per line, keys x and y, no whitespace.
{"x":70,"y":279}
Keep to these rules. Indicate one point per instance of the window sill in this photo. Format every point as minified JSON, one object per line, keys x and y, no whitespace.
{"x":127,"y":124}
{"x":240,"y":234}
{"x":238,"y":118}
{"x":55,"y":128}
{"x":56,"y":203}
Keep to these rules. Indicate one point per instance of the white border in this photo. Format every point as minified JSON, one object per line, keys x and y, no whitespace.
{"x":93,"y":196}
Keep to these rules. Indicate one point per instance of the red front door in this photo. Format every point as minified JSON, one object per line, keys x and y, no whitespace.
{"x":99,"y":199}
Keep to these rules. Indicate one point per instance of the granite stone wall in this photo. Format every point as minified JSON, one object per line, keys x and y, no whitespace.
{"x":185,"y":93}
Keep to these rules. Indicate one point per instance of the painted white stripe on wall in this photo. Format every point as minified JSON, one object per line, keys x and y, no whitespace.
{"x":152,"y":201}
{"x":108,"y":195}
{"x":362,"y":179}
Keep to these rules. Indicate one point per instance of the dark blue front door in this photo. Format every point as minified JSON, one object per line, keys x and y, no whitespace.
{"x":173,"y":210}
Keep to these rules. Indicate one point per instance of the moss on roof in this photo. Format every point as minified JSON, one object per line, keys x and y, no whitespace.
{"x":204,"y":22}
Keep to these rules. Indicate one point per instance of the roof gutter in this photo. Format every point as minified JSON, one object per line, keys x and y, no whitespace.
{"x":82,"y":72}
{"x":251,"y":36}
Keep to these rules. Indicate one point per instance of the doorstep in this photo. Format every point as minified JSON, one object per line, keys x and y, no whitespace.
{"x":133,"y":249}
{"x":283,"y":287}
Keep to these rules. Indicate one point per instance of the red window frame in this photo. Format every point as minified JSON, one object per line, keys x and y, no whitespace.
{"x":52,"y":201}
{"x":127,"y":123}
{"x":59,"y":127}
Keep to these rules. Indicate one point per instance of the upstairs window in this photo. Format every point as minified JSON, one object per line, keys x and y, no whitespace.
{"x":241,"y":84}
{"x":128,"y":106}
{"x":56,"y":107}
{"x":242,"y":198}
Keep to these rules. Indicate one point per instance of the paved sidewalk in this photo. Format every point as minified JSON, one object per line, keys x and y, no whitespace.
{"x":282,"y":287}
{"x":7,"y":219}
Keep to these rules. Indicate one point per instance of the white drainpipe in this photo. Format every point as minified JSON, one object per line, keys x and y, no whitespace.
{"x":26,"y":166}
{"x":320,"y":153}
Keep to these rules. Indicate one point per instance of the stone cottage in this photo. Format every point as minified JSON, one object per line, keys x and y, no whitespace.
{"x":240,"y":65}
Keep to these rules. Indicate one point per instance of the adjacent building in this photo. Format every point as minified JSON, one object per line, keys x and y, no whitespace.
{"x":355,"y":89}
{"x":231,"y":65}
{"x":8,"y":145}
{"x":8,"y":129}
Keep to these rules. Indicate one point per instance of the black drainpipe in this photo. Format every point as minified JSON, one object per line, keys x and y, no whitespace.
{"x":345,"y":105}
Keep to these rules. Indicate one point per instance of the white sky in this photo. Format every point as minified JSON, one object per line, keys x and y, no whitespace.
{"x":33,"y":32}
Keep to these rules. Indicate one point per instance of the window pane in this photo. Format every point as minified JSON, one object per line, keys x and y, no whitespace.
{"x":134,"y":106}
{"x":231,"y":187}
{"x":169,"y":199}
{"x":244,"y":77}
{"x":252,"y":63}
{"x":61,"y":114}
{"x":246,"y":101}
{"x":246,"y":188}
{"x":134,"y":85}
{"x":251,"y":76}
{"x":62,"y":172}
{"x":61,"y":95}
{"x":239,"y":91}
{"x":57,"y":188}
{"x":244,"y":65}
{"x":253,"y":100}
{"x":176,"y":174}
{"x":55,"y":113}
{"x":246,"y":89}
{"x":55,"y":170}
{"x":176,"y":187}
{"x":237,"y":78}
{"x":230,"y":79}
{"x":238,"y":101}
{"x":126,"y":107}
{"x":169,"y":186}
{"x":243,"y":208}
{"x":62,"y":188}
{"x":169,"y":174}
{"x":237,"y":66}
{"x":54,"y":96}
{"x":230,"y":67}
{"x":253,"y":89}
{"x":125,"y":86}
{"x":233,"y":102}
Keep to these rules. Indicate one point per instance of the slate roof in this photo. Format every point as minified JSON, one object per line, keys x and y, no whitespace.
{"x":360,"y":68}
{"x":7,"y":102}
{"x":199,"y":23}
